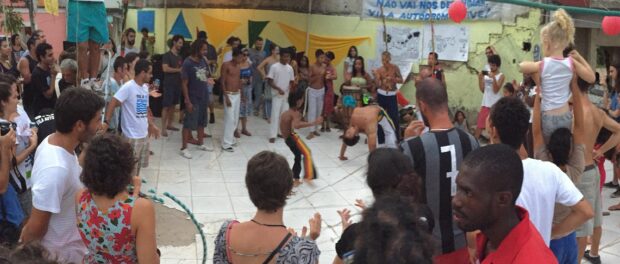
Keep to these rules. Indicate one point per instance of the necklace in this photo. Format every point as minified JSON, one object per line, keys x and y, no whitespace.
{"x":267,"y":225}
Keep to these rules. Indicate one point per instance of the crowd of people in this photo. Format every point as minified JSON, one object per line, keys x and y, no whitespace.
{"x":71,"y":152}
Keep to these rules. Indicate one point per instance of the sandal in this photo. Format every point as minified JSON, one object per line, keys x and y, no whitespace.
{"x":614,"y":207}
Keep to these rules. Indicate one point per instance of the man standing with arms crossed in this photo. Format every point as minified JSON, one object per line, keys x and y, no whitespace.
{"x":171,"y":64}
{"x":231,"y":85}
{"x":316,"y":94}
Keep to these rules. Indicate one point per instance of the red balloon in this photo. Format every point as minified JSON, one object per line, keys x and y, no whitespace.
{"x":457,"y":11}
{"x":611,"y":25}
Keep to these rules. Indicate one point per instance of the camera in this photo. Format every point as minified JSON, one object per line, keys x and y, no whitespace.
{"x":485,"y":72}
{"x":5,"y":127}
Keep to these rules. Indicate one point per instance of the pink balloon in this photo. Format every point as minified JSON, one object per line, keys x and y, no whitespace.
{"x":611,"y":25}
{"x":457,"y":11}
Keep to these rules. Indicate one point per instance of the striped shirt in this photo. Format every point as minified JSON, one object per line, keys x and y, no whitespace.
{"x":436,"y":157}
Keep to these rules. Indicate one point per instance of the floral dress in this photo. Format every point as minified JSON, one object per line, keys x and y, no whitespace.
{"x":107,"y":236}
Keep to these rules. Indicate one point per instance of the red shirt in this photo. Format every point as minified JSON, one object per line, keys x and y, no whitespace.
{"x":522,"y":245}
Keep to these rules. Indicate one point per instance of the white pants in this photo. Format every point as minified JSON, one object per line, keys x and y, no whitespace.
{"x":314,"y":103}
{"x":279,"y":105}
{"x":390,"y":135}
{"x":231,"y":119}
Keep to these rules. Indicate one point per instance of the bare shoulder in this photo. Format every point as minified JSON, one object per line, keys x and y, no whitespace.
{"x":142,"y":205}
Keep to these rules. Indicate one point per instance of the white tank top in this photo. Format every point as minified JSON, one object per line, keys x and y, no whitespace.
{"x":556,"y":78}
{"x":489,"y":98}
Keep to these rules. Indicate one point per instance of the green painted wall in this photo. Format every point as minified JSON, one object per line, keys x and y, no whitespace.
{"x":462,"y":83}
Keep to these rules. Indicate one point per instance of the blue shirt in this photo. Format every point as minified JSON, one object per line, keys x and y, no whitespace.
{"x":14,"y":212}
{"x":614,"y":104}
{"x":196,"y":75}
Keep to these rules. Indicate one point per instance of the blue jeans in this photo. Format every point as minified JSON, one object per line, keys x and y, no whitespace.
{"x":565,"y":249}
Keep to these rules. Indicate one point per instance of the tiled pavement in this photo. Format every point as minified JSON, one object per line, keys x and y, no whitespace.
{"x":212,"y":186}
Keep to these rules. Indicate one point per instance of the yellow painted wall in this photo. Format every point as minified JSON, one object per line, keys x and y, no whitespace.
{"x":462,"y":83}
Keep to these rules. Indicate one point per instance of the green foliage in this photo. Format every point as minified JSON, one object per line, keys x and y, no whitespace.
{"x":11,"y":21}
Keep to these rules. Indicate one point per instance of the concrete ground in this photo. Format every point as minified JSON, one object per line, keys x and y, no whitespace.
{"x":212,"y":186}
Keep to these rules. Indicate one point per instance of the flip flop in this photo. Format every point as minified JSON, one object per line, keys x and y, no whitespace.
{"x":614,"y":207}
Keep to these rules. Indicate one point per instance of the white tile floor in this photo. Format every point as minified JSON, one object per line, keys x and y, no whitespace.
{"x":212,"y":186}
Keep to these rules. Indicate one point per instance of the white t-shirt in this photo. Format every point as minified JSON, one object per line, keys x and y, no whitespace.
{"x":56,"y":180}
{"x":133,"y":49}
{"x":135,"y":104}
{"x":227,"y":56}
{"x":282,"y":76}
{"x":489,"y":98}
{"x":23,"y":134}
{"x":544,"y":185}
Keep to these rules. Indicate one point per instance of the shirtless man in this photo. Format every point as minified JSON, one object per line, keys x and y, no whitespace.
{"x":316,"y":94}
{"x":386,"y":77}
{"x":289,"y":121}
{"x":594,"y":121}
{"x":375,"y":122}
{"x":231,"y":85}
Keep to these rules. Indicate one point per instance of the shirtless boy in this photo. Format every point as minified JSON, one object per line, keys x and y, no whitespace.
{"x":289,"y":121}
{"x":375,"y":122}
{"x":231,"y":84}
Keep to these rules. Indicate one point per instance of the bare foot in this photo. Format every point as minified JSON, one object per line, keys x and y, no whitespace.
{"x":310,"y":136}
{"x":164,"y":133}
{"x":296,"y":183}
{"x":247,"y":133}
{"x":272,"y":140}
{"x":237,"y":135}
{"x":343,"y":158}
{"x":317,"y":134}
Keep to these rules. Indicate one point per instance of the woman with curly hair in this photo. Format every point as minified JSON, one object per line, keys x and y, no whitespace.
{"x":116,"y":227}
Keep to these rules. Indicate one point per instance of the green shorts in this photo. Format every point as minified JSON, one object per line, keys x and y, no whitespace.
{"x":87,"y":21}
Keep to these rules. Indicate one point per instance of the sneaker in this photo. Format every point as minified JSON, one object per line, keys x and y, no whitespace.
{"x":616,"y":194}
{"x":86,"y":84}
{"x":204,"y":147}
{"x":228,"y":149}
{"x":593,"y":260}
{"x":185,"y":153}
{"x":610,"y":184}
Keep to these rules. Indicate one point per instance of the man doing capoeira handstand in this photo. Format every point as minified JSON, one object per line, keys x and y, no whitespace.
{"x":375,"y":122}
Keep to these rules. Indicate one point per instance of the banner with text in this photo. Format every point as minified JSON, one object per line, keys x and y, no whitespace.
{"x":419,"y":9}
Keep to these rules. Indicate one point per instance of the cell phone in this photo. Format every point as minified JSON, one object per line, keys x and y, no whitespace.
{"x":5,"y":127}
{"x":485,"y":72}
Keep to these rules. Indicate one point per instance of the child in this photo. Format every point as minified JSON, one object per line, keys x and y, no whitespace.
{"x":509,"y":90}
{"x":460,"y":121}
{"x":556,"y":72}
{"x":289,"y":121}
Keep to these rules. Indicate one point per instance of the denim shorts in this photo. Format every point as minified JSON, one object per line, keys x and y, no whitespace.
{"x":198,"y":117}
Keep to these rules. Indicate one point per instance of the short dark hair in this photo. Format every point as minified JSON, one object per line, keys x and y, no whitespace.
{"x":511,"y":119}
{"x":330,"y":55}
{"x":119,"y":62}
{"x":499,"y":164}
{"x":144,"y":30}
{"x":258,"y":39}
{"x":432,"y":92}
{"x":28,"y":253}
{"x":231,"y":40}
{"x":434,"y":55}
{"x":5,"y":93}
{"x":285,"y":51}
{"x":130,"y":30}
{"x":559,"y":146}
{"x":142,"y":66}
{"x":495,"y":59}
{"x":319,"y":52}
{"x":583,"y":85}
{"x":237,"y":51}
{"x":76,"y":104}
{"x":7,"y":78}
{"x":108,"y":165}
{"x":202,"y":35}
{"x":14,"y":37}
{"x":294,"y":97}
{"x":144,"y":54}
{"x":389,"y":171}
{"x":395,"y":228}
{"x":131,"y":56}
{"x":351,"y":141}
{"x":196,"y":47}
{"x":42,"y":50}
{"x":509,"y":87}
{"x":269,"y":180}
{"x":31,"y":42}
{"x":176,"y":38}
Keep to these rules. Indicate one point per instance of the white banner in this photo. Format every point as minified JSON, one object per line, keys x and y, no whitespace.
{"x":405,"y":45}
{"x":419,"y":9}
{"x":451,"y":42}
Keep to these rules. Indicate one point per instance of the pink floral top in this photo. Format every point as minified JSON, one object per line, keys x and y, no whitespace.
{"x":107,"y":236}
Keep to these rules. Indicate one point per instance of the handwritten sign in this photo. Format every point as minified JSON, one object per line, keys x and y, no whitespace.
{"x":419,"y":9}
